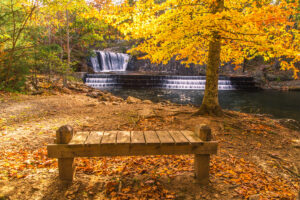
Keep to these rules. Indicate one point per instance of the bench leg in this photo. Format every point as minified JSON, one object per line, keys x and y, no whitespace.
{"x":201,"y":163}
{"x":66,"y":169}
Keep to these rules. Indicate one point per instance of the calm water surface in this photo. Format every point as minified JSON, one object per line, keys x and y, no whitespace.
{"x":277,"y":103}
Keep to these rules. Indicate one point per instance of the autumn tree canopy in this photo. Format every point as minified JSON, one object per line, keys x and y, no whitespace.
{"x":184,"y":28}
{"x":211,"y":32}
{"x":47,"y":36}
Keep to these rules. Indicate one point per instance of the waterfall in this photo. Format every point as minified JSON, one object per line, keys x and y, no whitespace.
{"x":95,"y":64}
{"x":105,"y":61}
{"x":167,"y":82}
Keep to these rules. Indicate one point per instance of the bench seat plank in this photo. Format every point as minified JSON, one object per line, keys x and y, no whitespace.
{"x":165,"y":137}
{"x":192,"y":138}
{"x":137,"y":137}
{"x":79,"y":138}
{"x":94,"y":137}
{"x":178,"y":137}
{"x":109,"y":137}
{"x":94,"y":150}
{"x":123,"y":137}
{"x":151,"y":137}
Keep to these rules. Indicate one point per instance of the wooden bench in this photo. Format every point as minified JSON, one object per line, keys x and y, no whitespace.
{"x":132,"y":143}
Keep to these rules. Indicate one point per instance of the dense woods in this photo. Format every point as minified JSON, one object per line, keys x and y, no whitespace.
{"x":50,"y":37}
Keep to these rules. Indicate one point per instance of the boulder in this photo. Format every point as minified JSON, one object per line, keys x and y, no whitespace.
{"x":94,"y":94}
{"x":103,"y":98}
{"x":116,"y":99}
{"x":54,"y":92}
{"x":146,"y":112}
{"x":78,"y":87}
{"x":66,"y":90}
{"x":147,"y":102}
{"x":106,"y":103}
{"x":109,"y":97}
{"x":84,"y":90}
{"x":131,"y":99}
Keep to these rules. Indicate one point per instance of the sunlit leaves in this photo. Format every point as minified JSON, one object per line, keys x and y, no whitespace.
{"x":183,"y":29}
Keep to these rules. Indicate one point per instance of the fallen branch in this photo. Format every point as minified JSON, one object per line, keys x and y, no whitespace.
{"x":282,"y":166}
{"x":291,"y":171}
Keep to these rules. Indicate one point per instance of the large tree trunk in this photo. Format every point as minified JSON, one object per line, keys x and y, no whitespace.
{"x":210,"y":104}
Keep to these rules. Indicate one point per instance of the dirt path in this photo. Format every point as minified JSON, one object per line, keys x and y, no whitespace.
{"x":257,"y":157}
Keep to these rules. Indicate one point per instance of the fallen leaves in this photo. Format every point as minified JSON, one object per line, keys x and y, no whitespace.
{"x":250,"y":179}
{"x":151,"y":177}
{"x":139,"y":177}
{"x":20,"y":164}
{"x":138,"y":190}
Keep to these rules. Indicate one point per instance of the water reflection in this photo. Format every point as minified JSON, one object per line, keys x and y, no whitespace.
{"x":277,"y":103}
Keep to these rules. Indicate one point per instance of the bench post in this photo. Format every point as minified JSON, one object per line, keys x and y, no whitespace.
{"x":65,"y":165}
{"x":201,"y":161}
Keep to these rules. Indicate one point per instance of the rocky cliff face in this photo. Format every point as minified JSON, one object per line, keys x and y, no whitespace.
{"x":173,"y":67}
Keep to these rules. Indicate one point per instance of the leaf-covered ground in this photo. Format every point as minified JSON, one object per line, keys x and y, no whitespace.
{"x":257,"y":158}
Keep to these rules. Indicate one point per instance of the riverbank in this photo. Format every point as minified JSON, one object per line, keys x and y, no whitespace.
{"x":258,"y":156}
{"x":293,"y":85}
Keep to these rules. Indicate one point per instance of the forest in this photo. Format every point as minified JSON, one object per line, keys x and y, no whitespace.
{"x":106,"y":99}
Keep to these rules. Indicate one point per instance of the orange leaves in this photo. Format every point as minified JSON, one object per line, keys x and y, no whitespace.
{"x":136,"y":177}
{"x":141,"y":177}
{"x":260,"y":129}
{"x":18,"y":164}
{"x":111,"y":188}
{"x":249,"y":179}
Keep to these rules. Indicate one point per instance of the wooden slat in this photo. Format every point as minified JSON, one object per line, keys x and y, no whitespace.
{"x":178,"y":137}
{"x":123,"y":137}
{"x":94,"y":150}
{"x":137,"y":137}
{"x":79,"y":138}
{"x":191,"y":137}
{"x":164,"y":137}
{"x":151,"y":137}
{"x":109,"y":137}
{"x":94,"y":138}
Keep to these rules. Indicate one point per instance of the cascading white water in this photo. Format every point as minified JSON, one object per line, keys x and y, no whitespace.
{"x":95,"y":64}
{"x":105,"y":61}
{"x":168,"y":82}
{"x":109,"y":61}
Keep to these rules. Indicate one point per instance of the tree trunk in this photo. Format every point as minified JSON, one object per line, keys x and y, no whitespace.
{"x":49,"y":43}
{"x":68,"y":51}
{"x":210,"y":104}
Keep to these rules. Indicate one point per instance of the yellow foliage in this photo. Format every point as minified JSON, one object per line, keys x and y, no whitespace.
{"x":183,"y":28}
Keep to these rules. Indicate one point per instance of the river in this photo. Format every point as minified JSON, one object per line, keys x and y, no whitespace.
{"x":277,"y":103}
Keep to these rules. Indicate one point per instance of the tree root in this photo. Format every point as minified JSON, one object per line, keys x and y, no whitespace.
{"x":295,"y":173}
{"x":210,"y":111}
